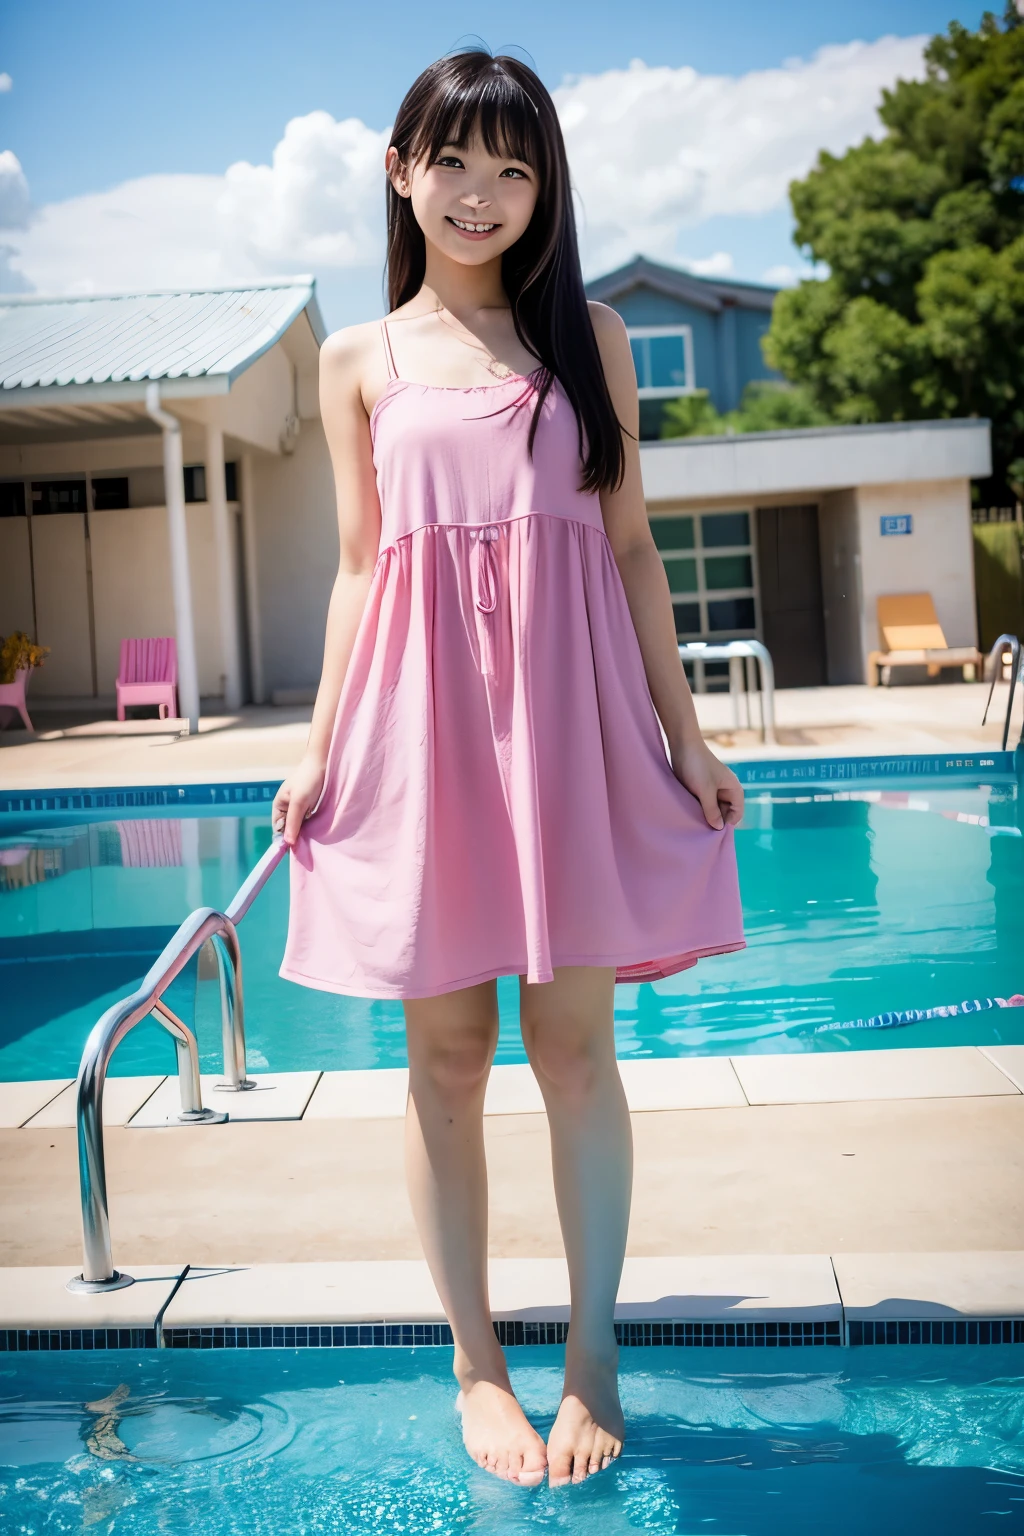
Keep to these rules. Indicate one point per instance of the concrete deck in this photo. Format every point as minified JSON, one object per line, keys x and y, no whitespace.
{"x":74,"y":750}
{"x":910,"y":1175}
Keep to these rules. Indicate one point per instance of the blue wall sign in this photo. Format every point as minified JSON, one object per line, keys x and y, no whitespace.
{"x":891,"y":525}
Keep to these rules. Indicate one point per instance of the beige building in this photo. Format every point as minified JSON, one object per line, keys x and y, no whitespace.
{"x":791,"y":537}
{"x":163,"y":470}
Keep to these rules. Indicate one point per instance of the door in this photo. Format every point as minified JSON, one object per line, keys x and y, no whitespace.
{"x":792,"y":613}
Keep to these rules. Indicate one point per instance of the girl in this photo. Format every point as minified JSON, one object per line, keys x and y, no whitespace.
{"x":486,"y":791}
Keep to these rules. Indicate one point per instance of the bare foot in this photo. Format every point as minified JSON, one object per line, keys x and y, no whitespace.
{"x":589,"y":1429}
{"x":498,"y":1435}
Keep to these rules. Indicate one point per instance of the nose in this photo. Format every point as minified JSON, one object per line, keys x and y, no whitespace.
{"x":473,"y":200}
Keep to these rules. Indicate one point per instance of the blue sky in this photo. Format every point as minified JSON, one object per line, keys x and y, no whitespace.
{"x":106,"y":93}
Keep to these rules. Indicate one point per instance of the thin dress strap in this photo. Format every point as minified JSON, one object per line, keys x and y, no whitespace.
{"x":388,"y":354}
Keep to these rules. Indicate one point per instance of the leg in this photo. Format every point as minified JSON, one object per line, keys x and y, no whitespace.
{"x":451,"y":1045}
{"x":568,"y":1034}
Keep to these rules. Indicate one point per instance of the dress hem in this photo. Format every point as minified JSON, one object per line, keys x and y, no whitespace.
{"x":626,"y":970}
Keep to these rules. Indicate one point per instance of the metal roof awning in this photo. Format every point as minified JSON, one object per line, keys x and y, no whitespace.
{"x":72,"y":366}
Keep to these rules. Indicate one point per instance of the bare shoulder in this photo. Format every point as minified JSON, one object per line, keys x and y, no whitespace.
{"x":612,"y":341}
{"x":609,"y":326}
{"x":345,"y":354}
{"x":616,"y":358}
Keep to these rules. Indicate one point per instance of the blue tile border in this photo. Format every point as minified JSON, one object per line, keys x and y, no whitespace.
{"x":936,"y":1331}
{"x":631,"y":1335}
{"x":981,"y":767}
{"x":976,"y":767}
{"x":47,"y":1340}
{"x":510,"y":1333}
{"x":139,"y":797}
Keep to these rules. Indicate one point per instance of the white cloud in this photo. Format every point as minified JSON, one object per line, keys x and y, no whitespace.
{"x":786,"y":276}
{"x":6,"y":83}
{"x":654,"y":151}
{"x":14,"y":198}
{"x":721,"y":264}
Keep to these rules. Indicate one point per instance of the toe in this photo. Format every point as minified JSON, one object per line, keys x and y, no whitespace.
{"x":515,"y":1466}
{"x":559,"y":1469}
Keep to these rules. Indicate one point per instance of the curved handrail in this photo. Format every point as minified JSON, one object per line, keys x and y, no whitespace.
{"x":727,"y":649}
{"x":199,"y":927}
{"x":994,"y":660}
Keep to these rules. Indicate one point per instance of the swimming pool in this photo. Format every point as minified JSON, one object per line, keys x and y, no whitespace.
{"x":867,"y":886}
{"x":365,"y":1443}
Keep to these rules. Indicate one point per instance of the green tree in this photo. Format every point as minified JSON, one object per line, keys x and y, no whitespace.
{"x":922,"y":231}
{"x":765,"y":407}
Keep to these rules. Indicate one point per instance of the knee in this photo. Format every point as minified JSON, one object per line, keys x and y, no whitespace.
{"x":452,"y":1072}
{"x":568,"y":1065}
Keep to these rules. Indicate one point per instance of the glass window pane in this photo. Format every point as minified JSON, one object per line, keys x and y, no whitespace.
{"x":57,"y":496}
{"x":682,"y":575}
{"x":723,"y":571}
{"x":672,"y":532}
{"x":731,"y":613}
{"x":668,"y":362}
{"x":687,"y":618}
{"x":720,"y":529}
{"x":636,"y":346}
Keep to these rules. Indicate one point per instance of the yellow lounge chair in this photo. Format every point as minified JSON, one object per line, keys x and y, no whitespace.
{"x":911,"y":635}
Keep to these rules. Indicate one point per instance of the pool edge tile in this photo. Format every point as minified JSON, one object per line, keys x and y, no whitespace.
{"x":19,"y":1101}
{"x":160,"y":1110}
{"x":833,"y":1077}
{"x":893,"y":1286}
{"x":123,"y":1097}
{"x":1009,"y":1059}
{"x":36,"y":1297}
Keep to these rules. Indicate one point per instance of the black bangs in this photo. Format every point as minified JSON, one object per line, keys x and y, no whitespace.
{"x":492,"y":105}
{"x":504,"y":102}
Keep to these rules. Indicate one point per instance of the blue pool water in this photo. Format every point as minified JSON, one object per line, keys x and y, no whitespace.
{"x":857,"y":900}
{"x":365,"y":1443}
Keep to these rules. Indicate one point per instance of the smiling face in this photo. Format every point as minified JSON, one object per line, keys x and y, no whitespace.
{"x":470,"y":204}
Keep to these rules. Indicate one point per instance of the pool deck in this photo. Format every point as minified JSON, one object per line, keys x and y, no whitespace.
{"x":756,"y":1177}
{"x":867,"y":1184}
{"x":909,"y":1149}
{"x":73,"y":750}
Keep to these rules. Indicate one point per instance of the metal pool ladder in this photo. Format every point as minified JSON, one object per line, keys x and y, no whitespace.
{"x":995,"y":664}
{"x":204,"y":926}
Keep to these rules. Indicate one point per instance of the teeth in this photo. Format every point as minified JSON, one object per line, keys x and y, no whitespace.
{"x":474,"y":229}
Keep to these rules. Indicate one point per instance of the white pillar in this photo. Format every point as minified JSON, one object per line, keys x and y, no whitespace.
{"x":181,"y":585}
{"x":252,"y":580}
{"x":227,"y":587}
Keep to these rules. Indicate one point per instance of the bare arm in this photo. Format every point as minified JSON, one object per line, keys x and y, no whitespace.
{"x":347,"y":429}
{"x":647,"y":594}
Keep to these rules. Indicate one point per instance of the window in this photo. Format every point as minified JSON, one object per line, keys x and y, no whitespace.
{"x":110,"y":495}
{"x":709,"y":562}
{"x":12,"y":498}
{"x":57,"y":496}
{"x":195,"y":481}
{"x":663,"y":359}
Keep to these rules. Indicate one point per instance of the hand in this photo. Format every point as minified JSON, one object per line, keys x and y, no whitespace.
{"x":296,"y":798}
{"x":715,"y":786}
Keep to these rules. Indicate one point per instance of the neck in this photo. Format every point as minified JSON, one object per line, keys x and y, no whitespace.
{"x":462,"y":290}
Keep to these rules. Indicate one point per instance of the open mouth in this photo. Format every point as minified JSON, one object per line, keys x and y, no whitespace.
{"x":472,"y":227}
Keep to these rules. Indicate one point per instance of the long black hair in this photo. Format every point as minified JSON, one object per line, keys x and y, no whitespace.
{"x":505,"y":102}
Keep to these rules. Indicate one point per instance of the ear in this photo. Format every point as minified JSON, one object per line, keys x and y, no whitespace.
{"x":397,"y":173}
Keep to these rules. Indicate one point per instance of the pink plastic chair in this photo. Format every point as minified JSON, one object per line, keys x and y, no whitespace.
{"x":12,"y":696}
{"x":148,"y":674}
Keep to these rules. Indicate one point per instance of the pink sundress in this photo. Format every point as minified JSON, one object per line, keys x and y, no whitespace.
{"x":498,"y":798}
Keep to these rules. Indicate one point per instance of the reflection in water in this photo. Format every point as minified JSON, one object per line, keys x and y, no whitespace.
{"x":857,"y":903}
